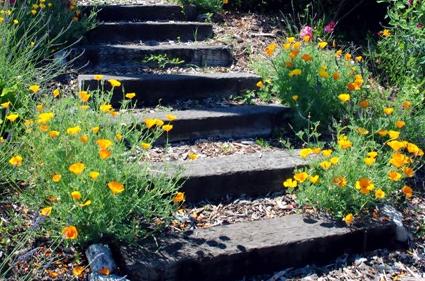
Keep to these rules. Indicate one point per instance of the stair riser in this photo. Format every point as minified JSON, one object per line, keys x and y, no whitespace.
{"x":127,"y":32}
{"x":252,"y":183}
{"x":114,"y":57}
{"x":154,"y":91}
{"x":234,"y":127}
{"x":137,"y":13}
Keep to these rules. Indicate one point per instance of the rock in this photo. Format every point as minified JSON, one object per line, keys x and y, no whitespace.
{"x":402,"y":235}
{"x":100,"y":258}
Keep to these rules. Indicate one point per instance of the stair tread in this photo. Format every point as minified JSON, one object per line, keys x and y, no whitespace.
{"x":216,"y":112}
{"x":248,"y":247}
{"x":177,"y":75}
{"x":237,"y":163}
{"x":158,"y":46}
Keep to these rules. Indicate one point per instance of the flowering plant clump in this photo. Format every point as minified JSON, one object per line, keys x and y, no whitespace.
{"x":356,"y":173}
{"x":88,"y":178}
{"x":312,"y":78}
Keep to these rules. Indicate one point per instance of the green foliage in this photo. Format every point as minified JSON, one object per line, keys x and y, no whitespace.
{"x":400,"y":53}
{"x":212,"y":6}
{"x":27,"y":44}
{"x":162,"y":60}
{"x":311,"y":78}
{"x":112,"y":191}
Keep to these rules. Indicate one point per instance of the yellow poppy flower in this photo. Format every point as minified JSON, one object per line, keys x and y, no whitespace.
{"x":56,"y":93}
{"x":5,"y":105}
{"x":407,"y":191}
{"x":393,"y":134}
{"x":145,"y":145}
{"x":179,"y":197}
{"x":301,"y":177}
{"x":325,"y":165}
{"x":409,"y":172}
{"x":379,"y":194}
{"x":12,"y":117}
{"x":365,"y":185}
{"x":98,"y":77}
{"x":84,"y":138}
{"x":45,"y":212}
{"x":114,"y":83}
{"x":106,"y":108}
{"x":394,"y":176}
{"x":322,"y":44}
{"x":388,"y":110}
{"x":76,"y":195}
{"x":270,"y":49}
{"x":84,"y":96}
{"x":104,"y":143}
{"x":56,"y":177}
{"x":369,"y":161}
{"x":104,"y":154}
{"x":150,"y":123}
{"x":77,"y":168}
{"x":295,"y":72}
{"x":327,"y":152}
{"x":344,"y":142}
{"x":171,"y":117}
{"x":94,"y":175}
{"x":130,"y":95}
{"x":364,"y":104}
{"x":116,"y":187}
{"x":290,"y":183}
{"x":348,"y":219}
{"x":54,"y":134}
{"x":16,"y":161}
{"x":400,"y":124}
{"x":167,"y":128}
{"x":34,"y":88}
{"x":305,"y":152}
{"x":314,"y":179}
{"x":192,"y":156}
{"x":260,"y":84}
{"x":85,"y":204}
{"x":73,"y":130}
{"x":44,"y":118}
{"x":340,"y":181}
{"x":70,"y":233}
{"x":344,"y":97}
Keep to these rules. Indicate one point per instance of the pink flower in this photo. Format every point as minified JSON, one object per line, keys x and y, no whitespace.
{"x":420,"y":25}
{"x":330,"y":27}
{"x":306,"y":31}
{"x":409,"y":2}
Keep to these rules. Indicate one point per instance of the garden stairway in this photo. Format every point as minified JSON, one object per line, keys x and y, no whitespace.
{"x":117,"y":48}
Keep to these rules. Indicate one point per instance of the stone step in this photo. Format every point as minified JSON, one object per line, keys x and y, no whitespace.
{"x":165,"y":88}
{"x":135,"y":55}
{"x":235,"y":122}
{"x":114,"y":32}
{"x":115,"y":13}
{"x":234,"y":251}
{"x":255,"y":174}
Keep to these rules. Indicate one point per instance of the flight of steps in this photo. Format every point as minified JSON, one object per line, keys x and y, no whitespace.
{"x":117,"y":48}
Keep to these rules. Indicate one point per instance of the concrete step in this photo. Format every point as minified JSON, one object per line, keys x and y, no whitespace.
{"x":114,"y":32}
{"x":135,"y":55}
{"x":232,"y":252}
{"x":165,"y":88}
{"x":254,"y":174}
{"x":115,"y":13}
{"x":236,"y":122}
